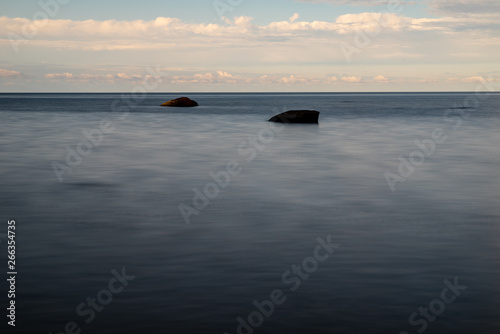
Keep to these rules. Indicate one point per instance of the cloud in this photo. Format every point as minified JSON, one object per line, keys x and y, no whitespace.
{"x":59,"y":76}
{"x":99,"y":78}
{"x":129,"y":77}
{"x":161,"y":27}
{"x":292,"y":80}
{"x":219,"y":77}
{"x":291,"y":52}
{"x":172,"y":32}
{"x":453,"y":7}
{"x":351,"y":79}
{"x":206,"y":78}
{"x":359,"y":3}
{"x":380,"y":78}
{"x":8,"y":73}
{"x":209,"y":80}
{"x":288,"y":80}
{"x":294,"y":17}
{"x":175,"y":35}
{"x":222,"y":77}
{"x":349,"y":23}
{"x":474,"y":79}
{"x":374,"y":21}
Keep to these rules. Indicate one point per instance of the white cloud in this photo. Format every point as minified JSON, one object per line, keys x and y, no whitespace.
{"x":380,"y":78}
{"x":291,"y":41}
{"x":90,"y":77}
{"x":59,"y":76}
{"x":219,"y":77}
{"x":292,"y":80}
{"x":9,"y":73}
{"x":222,"y":78}
{"x":288,"y":80}
{"x":287,"y":53}
{"x":126,"y":76}
{"x":351,"y":79}
{"x":474,"y":79}
{"x":172,"y":32}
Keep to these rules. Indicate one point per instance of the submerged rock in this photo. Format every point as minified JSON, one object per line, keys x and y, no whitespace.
{"x":297,"y":116}
{"x":180,"y":102}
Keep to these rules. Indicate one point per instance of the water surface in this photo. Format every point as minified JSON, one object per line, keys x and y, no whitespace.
{"x":119,"y":207}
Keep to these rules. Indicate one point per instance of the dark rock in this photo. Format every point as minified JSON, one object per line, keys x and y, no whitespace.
{"x":180,"y":102}
{"x":297,"y":116}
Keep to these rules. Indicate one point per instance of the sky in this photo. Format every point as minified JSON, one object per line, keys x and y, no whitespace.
{"x":249,"y":45}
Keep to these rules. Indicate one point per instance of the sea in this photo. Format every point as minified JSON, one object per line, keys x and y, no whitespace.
{"x":135,"y":218}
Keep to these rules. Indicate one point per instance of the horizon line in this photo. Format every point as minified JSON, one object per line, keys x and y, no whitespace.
{"x":277,"y":92}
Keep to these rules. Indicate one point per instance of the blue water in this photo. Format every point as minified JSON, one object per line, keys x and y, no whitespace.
{"x":117,"y":206}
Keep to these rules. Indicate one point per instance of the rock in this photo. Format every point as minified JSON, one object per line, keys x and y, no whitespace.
{"x":180,"y":102}
{"x":297,"y":116}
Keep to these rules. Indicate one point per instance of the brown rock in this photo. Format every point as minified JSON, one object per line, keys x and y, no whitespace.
{"x":180,"y":102}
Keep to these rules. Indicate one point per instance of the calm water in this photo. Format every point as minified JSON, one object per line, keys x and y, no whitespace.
{"x":116,"y":204}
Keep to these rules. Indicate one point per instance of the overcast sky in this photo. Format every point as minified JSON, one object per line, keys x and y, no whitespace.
{"x":248,"y":45}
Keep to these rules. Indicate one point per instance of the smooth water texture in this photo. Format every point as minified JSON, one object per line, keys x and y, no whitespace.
{"x":116,"y":204}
